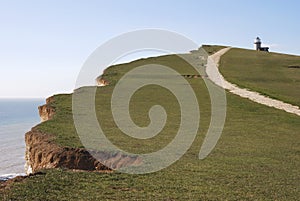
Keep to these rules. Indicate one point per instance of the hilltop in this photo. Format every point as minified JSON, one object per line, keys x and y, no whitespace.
{"x":256,"y":158}
{"x":275,"y":75}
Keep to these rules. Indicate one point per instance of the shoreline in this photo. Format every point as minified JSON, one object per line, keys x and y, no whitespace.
{"x":17,"y":117}
{"x":6,"y":177}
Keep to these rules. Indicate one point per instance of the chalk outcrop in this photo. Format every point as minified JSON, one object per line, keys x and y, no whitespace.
{"x":47,"y":111}
{"x":101,"y":81}
{"x":43,"y":153}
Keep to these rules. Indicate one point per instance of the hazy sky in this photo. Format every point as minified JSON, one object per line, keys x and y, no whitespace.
{"x":43,"y":44}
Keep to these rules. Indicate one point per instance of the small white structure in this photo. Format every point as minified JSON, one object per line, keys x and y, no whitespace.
{"x":257,"y":45}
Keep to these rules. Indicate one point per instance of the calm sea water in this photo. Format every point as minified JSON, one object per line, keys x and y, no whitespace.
{"x":17,"y":116}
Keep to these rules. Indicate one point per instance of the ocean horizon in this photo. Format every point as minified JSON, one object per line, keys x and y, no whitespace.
{"x":17,"y":116}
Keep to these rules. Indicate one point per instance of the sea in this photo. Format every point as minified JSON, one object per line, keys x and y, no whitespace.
{"x":17,"y":116}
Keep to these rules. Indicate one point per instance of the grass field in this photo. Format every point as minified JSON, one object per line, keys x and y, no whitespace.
{"x":267,"y":73}
{"x":256,"y":158}
{"x":211,"y":49}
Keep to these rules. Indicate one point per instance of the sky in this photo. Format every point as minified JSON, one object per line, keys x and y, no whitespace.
{"x":43,"y":44}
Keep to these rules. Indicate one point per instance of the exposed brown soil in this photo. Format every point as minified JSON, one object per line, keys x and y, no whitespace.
{"x":43,"y":153}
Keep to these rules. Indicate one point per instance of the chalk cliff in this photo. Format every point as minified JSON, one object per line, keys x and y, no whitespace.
{"x":101,"y":81}
{"x":47,"y":111}
{"x":42,"y":152}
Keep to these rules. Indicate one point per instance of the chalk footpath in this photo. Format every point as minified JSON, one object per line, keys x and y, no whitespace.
{"x":215,"y":76}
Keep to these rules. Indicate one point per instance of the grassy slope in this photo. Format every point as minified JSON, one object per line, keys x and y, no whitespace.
{"x":257,"y":157}
{"x":267,"y":73}
{"x":211,"y":49}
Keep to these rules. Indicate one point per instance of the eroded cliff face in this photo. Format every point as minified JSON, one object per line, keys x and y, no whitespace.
{"x":101,"y":81}
{"x":47,"y":111}
{"x":42,"y":152}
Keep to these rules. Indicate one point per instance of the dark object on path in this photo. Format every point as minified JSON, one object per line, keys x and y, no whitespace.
{"x":294,"y":66}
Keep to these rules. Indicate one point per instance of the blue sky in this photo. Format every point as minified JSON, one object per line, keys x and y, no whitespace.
{"x":43,"y":44}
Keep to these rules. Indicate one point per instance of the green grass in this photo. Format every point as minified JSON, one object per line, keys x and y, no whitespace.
{"x":256,"y":158}
{"x":211,"y":49}
{"x":267,"y":73}
{"x":61,"y":127}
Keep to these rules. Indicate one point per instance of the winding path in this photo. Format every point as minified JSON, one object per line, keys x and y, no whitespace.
{"x":215,"y":76}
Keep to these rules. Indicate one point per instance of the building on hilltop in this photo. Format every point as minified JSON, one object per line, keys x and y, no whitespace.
{"x":258,"y":47}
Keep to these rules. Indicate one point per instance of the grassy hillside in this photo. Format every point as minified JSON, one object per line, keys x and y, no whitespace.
{"x":62,"y":125}
{"x":267,"y":73}
{"x":257,"y":157}
{"x":211,"y":49}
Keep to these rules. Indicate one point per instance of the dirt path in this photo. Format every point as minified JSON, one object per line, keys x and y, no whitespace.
{"x":215,"y":76}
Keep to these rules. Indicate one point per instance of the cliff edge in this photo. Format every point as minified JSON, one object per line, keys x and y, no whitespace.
{"x":43,"y":153}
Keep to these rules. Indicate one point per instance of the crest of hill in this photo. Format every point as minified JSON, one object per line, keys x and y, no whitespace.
{"x":272,"y":74}
{"x":257,"y":157}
